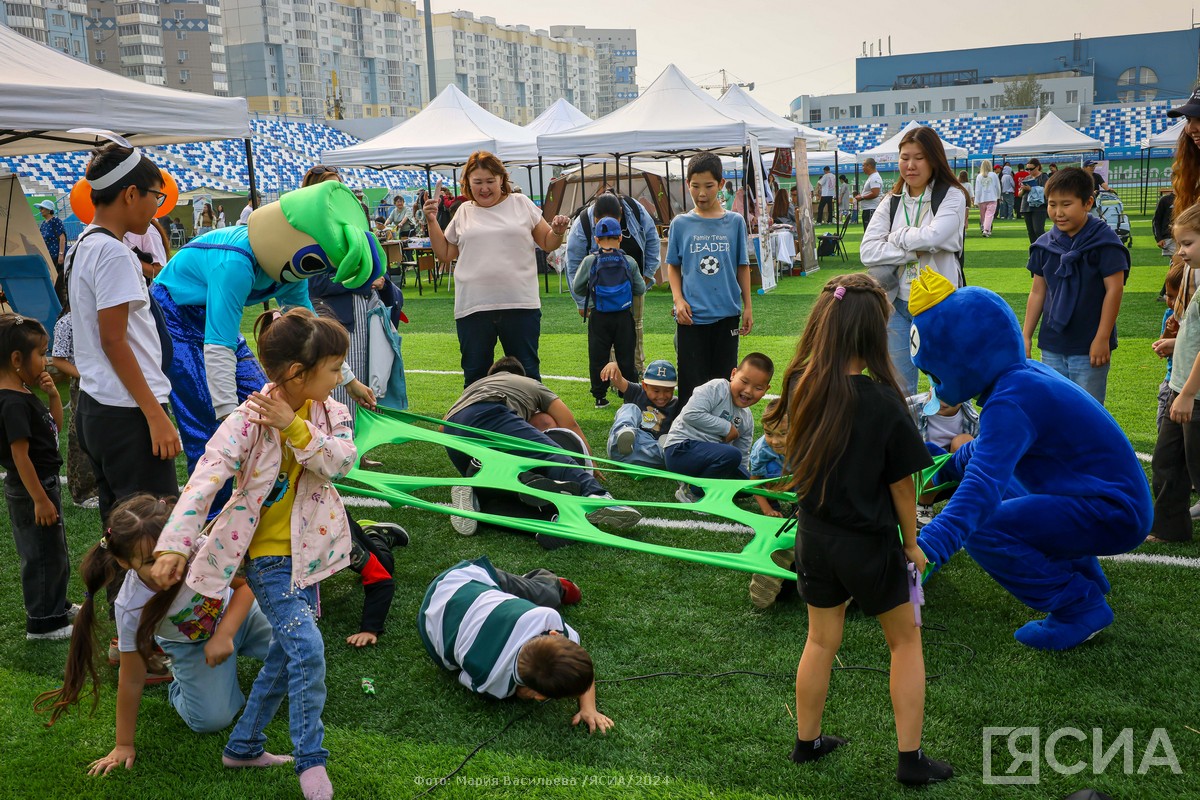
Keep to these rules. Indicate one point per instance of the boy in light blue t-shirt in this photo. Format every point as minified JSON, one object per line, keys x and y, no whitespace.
{"x":709,"y":271}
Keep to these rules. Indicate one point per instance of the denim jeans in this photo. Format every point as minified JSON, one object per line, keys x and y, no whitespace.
{"x":704,"y":460}
{"x":1006,"y":205}
{"x":646,"y":451}
{"x":42,"y":554}
{"x":294,"y":667}
{"x":517,"y":329}
{"x":899,"y":329}
{"x":1079,"y":370}
{"x":208,"y":698}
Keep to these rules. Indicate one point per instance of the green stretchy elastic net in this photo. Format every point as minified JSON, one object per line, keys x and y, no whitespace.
{"x":504,"y":458}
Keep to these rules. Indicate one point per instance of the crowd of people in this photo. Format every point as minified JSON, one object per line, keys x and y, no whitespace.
{"x":228,"y":565}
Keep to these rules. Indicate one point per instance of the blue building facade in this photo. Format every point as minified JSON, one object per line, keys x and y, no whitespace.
{"x":1128,"y":68}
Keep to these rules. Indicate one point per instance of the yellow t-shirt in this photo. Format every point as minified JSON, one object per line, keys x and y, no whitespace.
{"x":273,"y":536}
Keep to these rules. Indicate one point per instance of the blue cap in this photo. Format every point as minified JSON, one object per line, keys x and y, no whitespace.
{"x":1091,"y":162}
{"x":607,"y":228}
{"x":660,"y":373}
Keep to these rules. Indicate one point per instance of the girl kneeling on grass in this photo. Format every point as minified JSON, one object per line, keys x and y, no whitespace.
{"x":1175,"y":466}
{"x":854,"y":449}
{"x":285,"y":446}
{"x":198,"y":633}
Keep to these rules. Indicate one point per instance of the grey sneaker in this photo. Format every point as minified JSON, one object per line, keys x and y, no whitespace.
{"x":1196,"y":511}
{"x":924,"y":515}
{"x":625,"y":440}
{"x":764,"y":589}
{"x":55,"y":635}
{"x":614,"y":516}
{"x":91,"y":502}
{"x":684,"y":494}
{"x":463,"y":498}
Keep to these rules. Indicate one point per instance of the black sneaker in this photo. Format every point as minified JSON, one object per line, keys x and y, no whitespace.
{"x":537,"y":481}
{"x":602,"y":402}
{"x":389,"y":533}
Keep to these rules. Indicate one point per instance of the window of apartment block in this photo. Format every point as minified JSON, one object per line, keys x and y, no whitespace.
{"x":1072,"y":96}
{"x":948,"y":104}
{"x":972,"y":102}
{"x":1047,"y":98}
{"x":185,"y":75}
{"x":877,"y":109}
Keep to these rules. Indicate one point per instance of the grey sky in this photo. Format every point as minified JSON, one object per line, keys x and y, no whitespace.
{"x":790,"y":48}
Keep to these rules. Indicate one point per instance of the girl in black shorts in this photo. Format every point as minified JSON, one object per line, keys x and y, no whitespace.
{"x":854,"y":449}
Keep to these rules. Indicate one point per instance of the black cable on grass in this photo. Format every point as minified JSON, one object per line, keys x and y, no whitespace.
{"x":971,"y":654}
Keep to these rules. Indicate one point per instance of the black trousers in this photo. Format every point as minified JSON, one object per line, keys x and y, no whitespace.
{"x":826,"y":203}
{"x":1035,"y":222}
{"x":706,"y":352}
{"x":1174,"y":470}
{"x":615,"y":330}
{"x":866,"y":215}
{"x":42,"y":554}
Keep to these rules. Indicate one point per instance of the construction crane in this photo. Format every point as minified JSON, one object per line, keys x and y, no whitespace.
{"x":725,"y":84}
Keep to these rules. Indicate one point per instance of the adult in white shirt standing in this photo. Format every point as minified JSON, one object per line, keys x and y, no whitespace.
{"x":493,"y":236}
{"x":124,"y":428}
{"x":868,"y":198}
{"x":919,"y":225}
{"x":827,"y":185}
{"x":987,"y":195}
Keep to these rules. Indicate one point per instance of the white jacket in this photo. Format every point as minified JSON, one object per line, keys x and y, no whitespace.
{"x":889,"y":244}
{"x":987,"y":187}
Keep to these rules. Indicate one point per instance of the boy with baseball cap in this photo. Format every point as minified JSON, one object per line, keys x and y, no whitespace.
{"x":647,"y":414}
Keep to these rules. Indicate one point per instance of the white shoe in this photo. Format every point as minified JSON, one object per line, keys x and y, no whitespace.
{"x":1196,"y":511}
{"x":614,"y":516}
{"x":684,"y":495}
{"x":625,"y":439}
{"x":91,"y":502}
{"x":72,"y":612}
{"x":55,"y":635}
{"x":463,"y":498}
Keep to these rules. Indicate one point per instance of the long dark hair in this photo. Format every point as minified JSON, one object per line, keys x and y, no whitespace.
{"x":1185,"y":174}
{"x":820,"y":391}
{"x":931,"y":145}
{"x":133,"y":529}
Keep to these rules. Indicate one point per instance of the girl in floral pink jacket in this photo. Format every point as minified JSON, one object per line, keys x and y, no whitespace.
{"x":284,"y":446}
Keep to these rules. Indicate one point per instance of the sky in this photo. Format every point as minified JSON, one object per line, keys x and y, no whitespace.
{"x":788,"y":47}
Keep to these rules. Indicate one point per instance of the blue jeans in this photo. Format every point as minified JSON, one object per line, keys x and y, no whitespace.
{"x":499,"y":418}
{"x":646,"y":451}
{"x":705,"y":460}
{"x":1006,"y":205}
{"x":294,"y":668}
{"x":1079,"y":370}
{"x":208,"y":698}
{"x":899,"y":329}
{"x":517,"y":329}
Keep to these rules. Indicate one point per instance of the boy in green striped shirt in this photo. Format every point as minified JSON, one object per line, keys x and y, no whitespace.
{"x":503,"y":635}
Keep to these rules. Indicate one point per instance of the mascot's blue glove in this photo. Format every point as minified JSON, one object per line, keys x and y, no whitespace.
{"x":938,"y":543}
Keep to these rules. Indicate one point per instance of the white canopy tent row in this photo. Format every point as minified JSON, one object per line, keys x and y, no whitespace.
{"x":1050,"y":136}
{"x":889,"y":151}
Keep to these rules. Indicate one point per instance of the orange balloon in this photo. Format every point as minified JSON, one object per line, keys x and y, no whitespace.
{"x":171,"y":189}
{"x":81,"y":201}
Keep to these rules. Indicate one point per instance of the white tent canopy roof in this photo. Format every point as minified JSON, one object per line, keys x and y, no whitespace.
{"x":561,"y":116}
{"x":771,"y":129}
{"x":672,"y":116}
{"x":1049,"y":136}
{"x":824,"y":158}
{"x":890,"y":150}
{"x":444,"y":134}
{"x":45,"y":93}
{"x":1168,"y":138}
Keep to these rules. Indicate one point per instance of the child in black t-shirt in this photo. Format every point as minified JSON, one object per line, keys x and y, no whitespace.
{"x":854,"y":449}
{"x":646,"y":415}
{"x":29,"y":452}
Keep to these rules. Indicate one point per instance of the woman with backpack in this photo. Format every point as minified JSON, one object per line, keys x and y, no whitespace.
{"x":919,"y":225}
{"x":1033,"y":200}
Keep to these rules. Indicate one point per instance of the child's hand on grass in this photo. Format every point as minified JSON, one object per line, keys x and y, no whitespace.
{"x":120,"y":755}
{"x":361,"y":639}
{"x":594,"y":720}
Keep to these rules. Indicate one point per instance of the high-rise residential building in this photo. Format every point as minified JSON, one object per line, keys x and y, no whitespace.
{"x":51,"y":22}
{"x":327,"y":58}
{"x":175,"y":43}
{"x":513,"y":71}
{"x":616,"y":57}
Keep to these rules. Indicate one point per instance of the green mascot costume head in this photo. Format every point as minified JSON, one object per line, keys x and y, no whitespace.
{"x":320,"y":229}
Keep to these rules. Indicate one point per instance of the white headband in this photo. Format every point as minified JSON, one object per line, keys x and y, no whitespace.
{"x":117,"y":172}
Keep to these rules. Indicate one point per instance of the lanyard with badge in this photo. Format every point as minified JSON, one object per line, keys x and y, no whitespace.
{"x":912,"y":268}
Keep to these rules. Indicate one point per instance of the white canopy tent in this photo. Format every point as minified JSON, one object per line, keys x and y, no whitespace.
{"x":772,"y":130}
{"x":825,"y":158}
{"x":1168,"y":138}
{"x":443,"y":134}
{"x":1049,"y":136}
{"x":45,"y":93}
{"x":672,"y":117}
{"x":561,"y":116}
{"x":890,"y":150}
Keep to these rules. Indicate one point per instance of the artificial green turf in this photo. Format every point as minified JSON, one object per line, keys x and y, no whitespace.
{"x":674,"y":736}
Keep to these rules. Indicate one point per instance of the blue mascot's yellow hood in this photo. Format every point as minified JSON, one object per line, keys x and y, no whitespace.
{"x":963,"y":339}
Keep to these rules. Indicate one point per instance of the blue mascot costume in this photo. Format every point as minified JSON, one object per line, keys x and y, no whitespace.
{"x":1050,"y":483}
{"x":205,"y":287}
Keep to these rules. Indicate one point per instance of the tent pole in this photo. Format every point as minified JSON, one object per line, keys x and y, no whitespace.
{"x":683,"y":180}
{"x":529,"y":177}
{"x":454,"y":178}
{"x":837,"y":196}
{"x":541,"y":183}
{"x":629,"y":165}
{"x":250,"y":169}
{"x":428,"y":181}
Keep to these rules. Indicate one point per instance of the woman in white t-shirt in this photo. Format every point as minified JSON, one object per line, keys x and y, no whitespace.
{"x":896,"y":248}
{"x":493,"y":236}
{"x":123,"y":425}
{"x":987,"y":195}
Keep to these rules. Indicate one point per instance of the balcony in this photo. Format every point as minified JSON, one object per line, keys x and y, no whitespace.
{"x":77,"y":8}
{"x":146,"y":39}
{"x":141,"y":61}
{"x":138,"y":19}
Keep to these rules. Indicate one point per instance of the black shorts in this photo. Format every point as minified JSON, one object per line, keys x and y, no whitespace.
{"x":834,"y":564}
